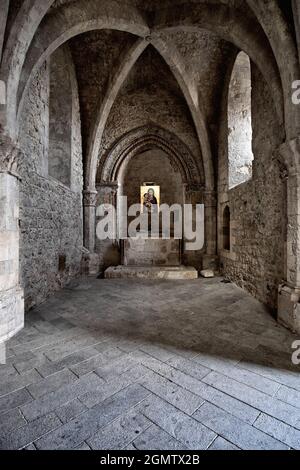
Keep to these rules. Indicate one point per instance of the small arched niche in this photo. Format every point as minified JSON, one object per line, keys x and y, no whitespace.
{"x":226,"y":229}
{"x":153,"y":165}
{"x":240,"y":155}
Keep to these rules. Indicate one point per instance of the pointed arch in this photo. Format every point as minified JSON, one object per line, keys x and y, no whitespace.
{"x":174,"y":61}
{"x":226,"y":229}
{"x":234,"y":26}
{"x":106,"y":106}
{"x":57,"y":28}
{"x":20,"y":37}
{"x":142,"y":138}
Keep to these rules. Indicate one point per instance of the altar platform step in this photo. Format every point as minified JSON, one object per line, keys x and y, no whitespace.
{"x":151,"y":272}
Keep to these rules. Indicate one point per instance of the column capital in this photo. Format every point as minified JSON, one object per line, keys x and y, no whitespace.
{"x":194,"y":187}
{"x":210,"y":198}
{"x":290,"y":156}
{"x":90,"y":198}
{"x":10,"y":155}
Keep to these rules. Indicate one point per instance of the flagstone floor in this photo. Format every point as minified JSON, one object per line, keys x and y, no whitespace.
{"x":175,"y":365}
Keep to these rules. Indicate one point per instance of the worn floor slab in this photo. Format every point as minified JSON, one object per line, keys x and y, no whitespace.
{"x":139,"y":364}
{"x":151,"y":272}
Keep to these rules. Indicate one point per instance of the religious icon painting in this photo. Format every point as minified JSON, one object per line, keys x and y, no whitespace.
{"x":150,"y":197}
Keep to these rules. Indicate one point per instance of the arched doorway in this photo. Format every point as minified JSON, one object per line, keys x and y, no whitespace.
{"x":150,"y":154}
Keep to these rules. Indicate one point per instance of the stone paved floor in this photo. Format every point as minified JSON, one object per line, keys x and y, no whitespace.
{"x":150,"y":365}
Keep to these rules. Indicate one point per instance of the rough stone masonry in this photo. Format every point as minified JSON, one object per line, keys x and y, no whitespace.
{"x":98,"y":98}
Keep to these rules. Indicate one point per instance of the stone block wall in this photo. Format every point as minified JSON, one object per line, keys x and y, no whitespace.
{"x":50,"y":213}
{"x":257,"y":207}
{"x":51,"y":237}
{"x":152,"y":252}
{"x":146,"y":99}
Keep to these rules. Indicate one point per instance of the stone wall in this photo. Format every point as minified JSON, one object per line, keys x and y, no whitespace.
{"x":50,"y":212}
{"x":147,"y":99}
{"x":240,"y":122}
{"x":258,"y":212}
{"x":154,"y":252}
{"x":153,"y":166}
{"x":105,"y":50}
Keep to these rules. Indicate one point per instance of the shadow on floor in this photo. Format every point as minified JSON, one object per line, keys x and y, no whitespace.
{"x":201,"y":317}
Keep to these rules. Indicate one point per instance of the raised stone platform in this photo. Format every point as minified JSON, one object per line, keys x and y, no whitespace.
{"x":151,"y":272}
{"x":144,"y":251}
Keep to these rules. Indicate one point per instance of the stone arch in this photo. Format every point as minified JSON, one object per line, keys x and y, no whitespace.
{"x":58,"y":28}
{"x":143,"y":138}
{"x":71,"y":20}
{"x":21,"y":34}
{"x":68,"y":137}
{"x":229,"y":23}
{"x":173,"y":59}
{"x":113,"y":168}
{"x":285,"y":52}
{"x":105,"y":107}
{"x":235,"y":27}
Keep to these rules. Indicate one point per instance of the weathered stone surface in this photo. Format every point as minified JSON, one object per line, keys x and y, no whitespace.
{"x":11,"y":294}
{"x":120,"y":433}
{"x":237,"y":432}
{"x":11,"y":313}
{"x":11,"y":421}
{"x":151,"y":272}
{"x":151,"y":252}
{"x":70,"y":410}
{"x":14,"y":399}
{"x":50,"y":212}
{"x":175,"y":423}
{"x":240,"y":154}
{"x":207,"y":273}
{"x":90,"y":422}
{"x":154,"y":438}
{"x":258,"y":207}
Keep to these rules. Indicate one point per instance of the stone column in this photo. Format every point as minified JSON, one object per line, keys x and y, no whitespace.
{"x":90,"y":260}
{"x":289,"y":291}
{"x":109,"y":250}
{"x":192,"y":194}
{"x":11,"y":294}
{"x":210,"y":259}
{"x":89,"y":210}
